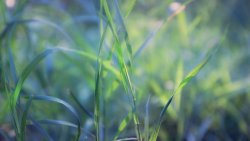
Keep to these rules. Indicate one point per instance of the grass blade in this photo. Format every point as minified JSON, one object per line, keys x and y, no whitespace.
{"x":22,"y":78}
{"x":64,"y":123}
{"x":24,"y":119}
{"x":42,"y":131}
{"x":123,"y":67}
{"x":106,"y":64}
{"x":26,"y":72}
{"x":81,"y":106}
{"x":65,"y":104}
{"x":154,"y":135}
{"x":123,"y":124}
{"x":183,"y":83}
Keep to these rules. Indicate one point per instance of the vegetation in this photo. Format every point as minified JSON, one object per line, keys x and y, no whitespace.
{"x":106,"y":70}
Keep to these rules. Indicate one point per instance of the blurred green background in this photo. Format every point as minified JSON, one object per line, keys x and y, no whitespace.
{"x":212,"y":107}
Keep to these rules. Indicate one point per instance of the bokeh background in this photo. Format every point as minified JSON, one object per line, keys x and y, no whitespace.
{"x":214,"y":106}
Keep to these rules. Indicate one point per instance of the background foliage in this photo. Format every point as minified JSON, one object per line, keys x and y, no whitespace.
{"x":68,"y":67}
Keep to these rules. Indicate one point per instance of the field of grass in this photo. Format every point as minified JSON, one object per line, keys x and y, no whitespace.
{"x":114,"y":70}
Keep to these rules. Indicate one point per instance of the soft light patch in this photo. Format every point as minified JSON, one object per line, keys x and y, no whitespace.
{"x":10,"y":3}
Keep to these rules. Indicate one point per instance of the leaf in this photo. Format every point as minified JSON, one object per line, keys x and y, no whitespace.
{"x":126,"y":81}
{"x":154,"y":135}
{"x":183,"y":83}
{"x":123,"y":124}
{"x":26,"y":72}
{"x":64,"y":123}
{"x":42,"y":131}
{"x":22,"y":78}
{"x":65,"y":104}
{"x":81,"y":106}
{"x":106,"y":64}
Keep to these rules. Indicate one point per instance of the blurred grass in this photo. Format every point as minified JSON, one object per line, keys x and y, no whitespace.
{"x":111,"y":56}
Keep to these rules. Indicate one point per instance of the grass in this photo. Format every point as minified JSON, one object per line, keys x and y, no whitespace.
{"x":132,"y":74}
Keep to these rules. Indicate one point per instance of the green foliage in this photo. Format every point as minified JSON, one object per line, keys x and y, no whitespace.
{"x":120,"y":70}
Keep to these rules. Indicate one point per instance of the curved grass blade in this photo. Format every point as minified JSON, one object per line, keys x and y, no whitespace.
{"x":123,"y":125}
{"x":154,"y":135}
{"x":10,"y":25}
{"x":81,"y":106}
{"x":26,"y":72}
{"x":65,"y":104}
{"x":22,"y":78}
{"x":64,"y":123}
{"x":106,"y":64}
{"x":42,"y":131}
{"x":183,"y":83}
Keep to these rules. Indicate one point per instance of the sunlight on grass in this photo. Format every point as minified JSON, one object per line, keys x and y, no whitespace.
{"x":142,"y":70}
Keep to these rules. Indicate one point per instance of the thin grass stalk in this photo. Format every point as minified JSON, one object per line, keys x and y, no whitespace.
{"x":124,"y":71}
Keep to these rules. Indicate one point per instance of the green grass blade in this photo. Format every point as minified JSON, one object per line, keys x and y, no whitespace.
{"x":12,"y":66}
{"x":65,"y":104}
{"x":10,"y":25}
{"x":24,"y":119}
{"x":123,"y":125}
{"x":123,"y":67}
{"x":26,"y":72}
{"x":155,"y":133}
{"x":41,"y":130}
{"x":106,"y":64}
{"x":81,"y":106}
{"x":64,"y":123}
{"x":22,"y":78}
{"x":183,"y":83}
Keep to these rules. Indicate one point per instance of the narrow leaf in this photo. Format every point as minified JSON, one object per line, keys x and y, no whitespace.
{"x":65,"y":104}
{"x":123,"y":124}
{"x":26,"y":72}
